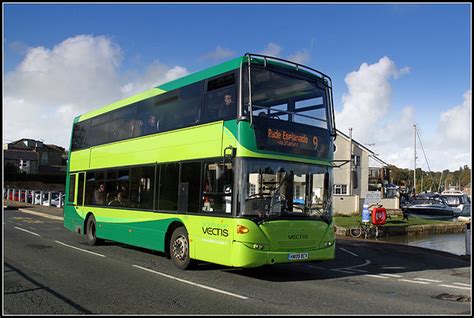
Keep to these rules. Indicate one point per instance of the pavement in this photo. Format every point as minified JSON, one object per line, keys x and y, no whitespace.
{"x":55,"y":212}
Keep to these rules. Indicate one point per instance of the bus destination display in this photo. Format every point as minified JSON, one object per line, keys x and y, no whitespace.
{"x":286,"y":137}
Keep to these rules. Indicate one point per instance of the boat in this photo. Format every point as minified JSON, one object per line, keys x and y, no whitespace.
{"x":431,"y":206}
{"x":459,"y":200}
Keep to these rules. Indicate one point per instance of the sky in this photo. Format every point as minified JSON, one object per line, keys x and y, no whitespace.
{"x":392,"y":65}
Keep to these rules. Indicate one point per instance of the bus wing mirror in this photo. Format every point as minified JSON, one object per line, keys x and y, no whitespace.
{"x":229,"y":154}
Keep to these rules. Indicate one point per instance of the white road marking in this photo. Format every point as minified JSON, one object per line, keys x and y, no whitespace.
{"x":392,"y":275}
{"x":19,"y":228}
{"x":393,"y":267}
{"x":343,"y":271}
{"x":314,"y":266}
{"x":429,"y":280}
{"x":191,"y":283}
{"x":461,"y":284}
{"x":352,"y":268}
{"x":458,"y":287}
{"x":347,"y":251}
{"x":376,"y":276}
{"x":80,"y":249}
{"x":358,"y":270}
{"x":413,"y":281}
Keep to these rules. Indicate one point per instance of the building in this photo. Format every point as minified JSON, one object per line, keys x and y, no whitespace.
{"x":28,"y":156}
{"x":364,"y":179}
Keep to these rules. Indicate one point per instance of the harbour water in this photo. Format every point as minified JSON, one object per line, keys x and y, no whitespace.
{"x":451,"y":243}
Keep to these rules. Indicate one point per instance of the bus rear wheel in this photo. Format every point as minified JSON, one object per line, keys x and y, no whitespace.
{"x":92,"y":239}
{"x":179,"y":248}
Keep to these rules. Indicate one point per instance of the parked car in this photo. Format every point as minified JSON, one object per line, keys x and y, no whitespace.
{"x":38,"y":197}
{"x":55,"y":201}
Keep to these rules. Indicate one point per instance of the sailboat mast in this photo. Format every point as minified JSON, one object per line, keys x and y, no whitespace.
{"x":414,"y":159}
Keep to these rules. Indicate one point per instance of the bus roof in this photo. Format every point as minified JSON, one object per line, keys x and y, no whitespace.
{"x":180,"y":82}
{"x":183,"y":81}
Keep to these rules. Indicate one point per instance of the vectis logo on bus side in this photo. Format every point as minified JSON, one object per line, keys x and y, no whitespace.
{"x":215,"y":231}
{"x":297,"y":236}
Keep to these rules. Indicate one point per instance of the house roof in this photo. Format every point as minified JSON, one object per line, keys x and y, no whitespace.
{"x":371,"y":153}
{"x":27,"y":144}
{"x":19,"y":155}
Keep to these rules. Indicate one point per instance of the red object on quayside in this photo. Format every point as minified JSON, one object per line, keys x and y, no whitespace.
{"x":379,"y":216}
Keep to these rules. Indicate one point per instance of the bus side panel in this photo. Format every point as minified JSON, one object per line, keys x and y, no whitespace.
{"x":79,"y":160}
{"x":211,"y":238}
{"x":72,"y":219}
{"x":142,"y":229}
{"x":188,"y":143}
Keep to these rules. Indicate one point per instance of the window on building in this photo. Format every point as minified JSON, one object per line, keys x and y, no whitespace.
{"x":340,"y":189}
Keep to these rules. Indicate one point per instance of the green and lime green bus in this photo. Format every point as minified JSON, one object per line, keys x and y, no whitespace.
{"x":230,"y":165}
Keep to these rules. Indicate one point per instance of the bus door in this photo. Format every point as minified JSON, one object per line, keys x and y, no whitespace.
{"x":81,"y":176}
{"x":213,"y":240}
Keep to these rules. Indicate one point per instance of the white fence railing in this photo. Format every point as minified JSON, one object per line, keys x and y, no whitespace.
{"x":45,"y":198}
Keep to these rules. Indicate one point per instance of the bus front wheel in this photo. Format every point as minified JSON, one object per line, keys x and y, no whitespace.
{"x":179,"y":248}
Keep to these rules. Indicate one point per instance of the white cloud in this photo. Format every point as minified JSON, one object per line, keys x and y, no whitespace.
{"x":368,"y":99}
{"x":367,"y":108}
{"x":219,"y":53}
{"x":156,"y":73}
{"x":452,"y":143}
{"x":455,"y":125}
{"x":448,"y":148}
{"x":18,"y":47}
{"x":51,"y":86}
{"x":301,"y":57}
{"x":271,"y":49}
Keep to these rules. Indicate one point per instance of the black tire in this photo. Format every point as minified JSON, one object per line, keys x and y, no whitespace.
{"x":179,"y":248}
{"x":92,"y":239}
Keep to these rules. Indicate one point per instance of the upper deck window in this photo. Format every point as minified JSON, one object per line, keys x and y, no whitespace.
{"x":286,"y":95}
{"x":220,"y":100}
{"x":197,"y":103}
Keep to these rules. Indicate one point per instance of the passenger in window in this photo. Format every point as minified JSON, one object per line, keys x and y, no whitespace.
{"x":228,"y":109}
{"x":123,"y":188}
{"x":120,"y":200}
{"x":99,"y":195}
{"x":151,"y":125}
{"x":136,"y":127}
{"x":110,"y":198}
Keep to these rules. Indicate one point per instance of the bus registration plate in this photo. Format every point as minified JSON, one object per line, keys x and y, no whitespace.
{"x":297,"y":256}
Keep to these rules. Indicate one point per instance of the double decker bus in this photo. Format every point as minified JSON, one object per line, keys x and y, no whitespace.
{"x":230,"y":165}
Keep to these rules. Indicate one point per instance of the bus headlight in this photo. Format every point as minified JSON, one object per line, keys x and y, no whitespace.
{"x":257,"y":246}
{"x":326,"y":244}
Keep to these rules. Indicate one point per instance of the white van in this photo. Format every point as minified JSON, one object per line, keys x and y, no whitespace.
{"x":458,"y":199}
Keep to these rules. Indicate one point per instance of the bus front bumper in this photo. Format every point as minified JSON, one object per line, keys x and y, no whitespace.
{"x":245,"y":256}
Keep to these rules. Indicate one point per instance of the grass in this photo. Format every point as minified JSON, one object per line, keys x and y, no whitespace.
{"x":352,"y":221}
